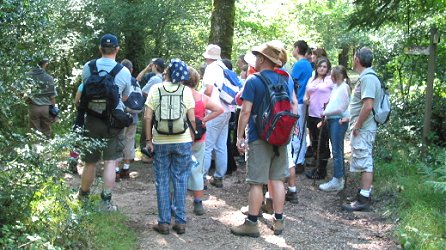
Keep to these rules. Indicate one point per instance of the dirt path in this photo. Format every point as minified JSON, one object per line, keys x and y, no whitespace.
{"x":315,"y":223}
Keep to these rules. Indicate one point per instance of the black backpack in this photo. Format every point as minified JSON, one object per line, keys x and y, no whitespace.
{"x":135,"y":102}
{"x":100,"y":94}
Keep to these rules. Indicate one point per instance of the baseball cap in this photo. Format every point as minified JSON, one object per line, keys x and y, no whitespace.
{"x":159,"y":62}
{"x":109,"y":41}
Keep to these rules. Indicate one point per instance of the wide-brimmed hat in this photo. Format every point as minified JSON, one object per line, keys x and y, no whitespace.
{"x":270,"y":51}
{"x":212,"y":52}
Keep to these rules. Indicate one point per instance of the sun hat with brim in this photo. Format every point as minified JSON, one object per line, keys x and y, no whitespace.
{"x":250,"y":58}
{"x":212,"y":52}
{"x":270,"y":52}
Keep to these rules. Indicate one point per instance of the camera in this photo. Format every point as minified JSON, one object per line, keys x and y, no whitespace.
{"x":147,"y":153}
{"x":54,"y":111}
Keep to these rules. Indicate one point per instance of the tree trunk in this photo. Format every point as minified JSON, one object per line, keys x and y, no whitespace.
{"x":222,"y":26}
{"x":343,"y":56}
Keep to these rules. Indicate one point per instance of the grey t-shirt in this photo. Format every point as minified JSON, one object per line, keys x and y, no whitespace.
{"x":368,"y":86}
{"x":122,"y":79}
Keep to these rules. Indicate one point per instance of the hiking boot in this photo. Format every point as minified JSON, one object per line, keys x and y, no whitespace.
{"x":300,"y":168}
{"x":124,"y":173}
{"x":268,"y":206}
{"x":118,"y":176}
{"x":318,"y":174}
{"x":245,"y":211}
{"x":179,"y":228}
{"x":216,"y":182}
{"x":248,"y":228}
{"x":278,"y":226}
{"x":161,"y":228}
{"x":362,"y":203}
{"x":291,"y":197}
{"x":107,"y":206}
{"x":198,"y":208}
{"x":333,"y":185}
{"x":82,"y":196}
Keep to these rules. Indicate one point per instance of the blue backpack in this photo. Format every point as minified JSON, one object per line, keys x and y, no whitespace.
{"x":231,"y":86}
{"x":135,"y":102}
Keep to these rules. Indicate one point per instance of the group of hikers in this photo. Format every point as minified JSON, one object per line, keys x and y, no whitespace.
{"x":186,"y":122}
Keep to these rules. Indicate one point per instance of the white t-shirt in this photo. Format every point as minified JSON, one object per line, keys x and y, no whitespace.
{"x":214,"y":75}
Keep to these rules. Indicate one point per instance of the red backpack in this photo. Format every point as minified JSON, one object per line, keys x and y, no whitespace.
{"x":275,"y":121}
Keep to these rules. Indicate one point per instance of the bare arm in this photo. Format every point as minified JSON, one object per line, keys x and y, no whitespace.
{"x":367,"y":106}
{"x":191,"y":117}
{"x":242,"y":123}
{"x":208,"y":90}
{"x":77,"y":98}
{"x":148,"y":116}
{"x":143,"y":72}
{"x":215,"y":108}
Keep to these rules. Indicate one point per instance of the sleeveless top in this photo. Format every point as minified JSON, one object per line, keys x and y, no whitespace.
{"x":200,"y":112}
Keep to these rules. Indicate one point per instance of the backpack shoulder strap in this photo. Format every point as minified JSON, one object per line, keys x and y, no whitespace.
{"x":93,"y":67}
{"x":116,"y":69}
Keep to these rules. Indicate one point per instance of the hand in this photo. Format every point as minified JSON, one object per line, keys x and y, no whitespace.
{"x":296,"y":130}
{"x":242,"y":146}
{"x":343,"y":120}
{"x":320,"y":124}
{"x":355,"y":132}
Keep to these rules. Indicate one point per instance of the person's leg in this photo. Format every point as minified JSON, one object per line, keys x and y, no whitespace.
{"x":161,"y":167}
{"x":221,"y":150}
{"x":300,"y":142}
{"x":255,"y":198}
{"x":180,"y":170}
{"x":45,"y":120}
{"x":87,"y":176}
{"x":278,"y":191}
{"x":212,"y":133}
{"x":196,"y":182}
{"x":291,"y":194}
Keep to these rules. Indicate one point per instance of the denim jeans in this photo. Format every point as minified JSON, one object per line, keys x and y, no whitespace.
{"x":172,"y":162}
{"x":337,"y":134}
{"x":216,"y":137}
{"x":299,"y":141}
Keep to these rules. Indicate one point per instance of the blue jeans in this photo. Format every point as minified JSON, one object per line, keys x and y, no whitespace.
{"x":337,"y":134}
{"x":172,"y":162}
{"x":216,"y":138}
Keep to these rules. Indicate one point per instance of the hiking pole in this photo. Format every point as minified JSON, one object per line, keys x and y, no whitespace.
{"x":318,"y":149}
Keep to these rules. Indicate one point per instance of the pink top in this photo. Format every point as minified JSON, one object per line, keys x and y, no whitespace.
{"x":318,"y":91}
{"x":200,"y":112}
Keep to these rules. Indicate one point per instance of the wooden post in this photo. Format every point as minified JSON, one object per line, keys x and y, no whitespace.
{"x":430,"y":87}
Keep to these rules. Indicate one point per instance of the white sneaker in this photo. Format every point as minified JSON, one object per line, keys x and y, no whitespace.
{"x":333,"y":185}
{"x":107,"y":206}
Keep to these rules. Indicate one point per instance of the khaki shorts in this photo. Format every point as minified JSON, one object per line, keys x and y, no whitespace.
{"x":362,"y":145}
{"x":98,"y":129}
{"x":263,"y":164}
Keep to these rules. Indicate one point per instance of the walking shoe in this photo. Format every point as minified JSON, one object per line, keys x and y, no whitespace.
{"x":216,"y":182}
{"x":245,"y":210}
{"x":278,"y":226}
{"x":124,"y":173}
{"x":362,"y":203}
{"x":291,"y":197}
{"x":161,"y":228}
{"x":82,"y":196}
{"x":198,"y":208}
{"x":118,"y":176}
{"x":268,"y":206}
{"x":317,"y":174}
{"x":333,"y":185}
{"x":179,"y":228}
{"x":248,"y":228}
{"x":107,"y":206}
{"x":300,"y":168}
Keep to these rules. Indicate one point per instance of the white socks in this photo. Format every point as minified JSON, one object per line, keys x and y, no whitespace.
{"x":365,"y":193}
{"x":126,"y":166}
{"x":292,"y":189}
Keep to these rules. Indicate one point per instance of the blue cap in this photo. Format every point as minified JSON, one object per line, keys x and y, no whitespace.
{"x":178,"y":71}
{"x":109,"y":41}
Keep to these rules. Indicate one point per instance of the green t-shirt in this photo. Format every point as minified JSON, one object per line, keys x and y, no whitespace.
{"x":368,"y":86}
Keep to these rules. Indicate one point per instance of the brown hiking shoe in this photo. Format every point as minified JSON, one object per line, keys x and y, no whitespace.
{"x":268,"y":206}
{"x":278,"y":226}
{"x":291,"y":197}
{"x":216,"y":182}
{"x":248,"y":228}
{"x":362,"y":203}
{"x":179,"y":228}
{"x":161,"y":228}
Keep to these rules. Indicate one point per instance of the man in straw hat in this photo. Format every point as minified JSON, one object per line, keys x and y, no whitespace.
{"x":263,"y":164}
